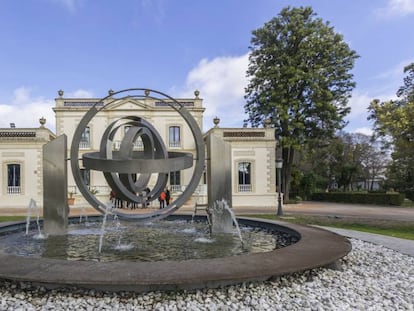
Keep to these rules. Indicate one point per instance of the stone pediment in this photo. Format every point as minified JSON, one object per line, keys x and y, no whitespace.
{"x":131,"y":104}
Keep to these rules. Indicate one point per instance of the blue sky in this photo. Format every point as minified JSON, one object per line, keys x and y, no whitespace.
{"x":86,"y":47}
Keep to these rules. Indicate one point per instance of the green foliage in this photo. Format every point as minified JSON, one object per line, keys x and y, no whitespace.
{"x":12,"y":218}
{"x":409,"y":194}
{"x":399,"y":229}
{"x":393,"y":122}
{"x":406,"y":92}
{"x":309,"y":183}
{"x":300,"y":78}
{"x":387,"y":199}
{"x":339,"y":163}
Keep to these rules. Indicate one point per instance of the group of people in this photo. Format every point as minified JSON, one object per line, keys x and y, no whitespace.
{"x":119,"y":203}
{"x":164,"y":199}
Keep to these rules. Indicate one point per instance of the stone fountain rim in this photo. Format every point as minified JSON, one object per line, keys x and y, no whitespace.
{"x":316,"y":248}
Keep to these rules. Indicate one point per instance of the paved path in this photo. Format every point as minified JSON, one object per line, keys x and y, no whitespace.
{"x":308,"y":208}
{"x":351,"y":210}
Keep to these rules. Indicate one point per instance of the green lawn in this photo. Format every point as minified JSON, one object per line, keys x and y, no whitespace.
{"x":399,"y":229}
{"x":12,"y":218}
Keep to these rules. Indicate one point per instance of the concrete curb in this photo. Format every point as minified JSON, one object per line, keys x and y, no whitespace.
{"x":315,"y":248}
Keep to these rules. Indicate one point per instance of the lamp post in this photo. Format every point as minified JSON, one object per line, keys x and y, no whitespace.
{"x":279,"y":165}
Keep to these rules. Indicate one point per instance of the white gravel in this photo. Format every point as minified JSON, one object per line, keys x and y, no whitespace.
{"x":372,"y":278}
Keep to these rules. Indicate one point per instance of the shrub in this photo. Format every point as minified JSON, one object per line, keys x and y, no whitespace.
{"x":409,"y":194}
{"x":361,"y":198}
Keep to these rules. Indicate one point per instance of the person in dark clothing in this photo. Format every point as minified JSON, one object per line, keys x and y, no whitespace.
{"x":167,"y":196}
{"x":147,"y":197}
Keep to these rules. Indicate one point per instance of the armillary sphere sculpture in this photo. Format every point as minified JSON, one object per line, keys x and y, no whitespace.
{"x":127,"y":171}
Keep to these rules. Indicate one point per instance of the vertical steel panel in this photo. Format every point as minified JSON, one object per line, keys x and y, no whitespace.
{"x":55,"y":186}
{"x":218,"y":170}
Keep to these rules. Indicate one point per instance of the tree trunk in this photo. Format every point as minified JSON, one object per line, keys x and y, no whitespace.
{"x":288,"y":154}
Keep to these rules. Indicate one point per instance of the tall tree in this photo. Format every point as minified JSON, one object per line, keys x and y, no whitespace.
{"x":393,"y":121}
{"x":406,"y":92}
{"x":300,"y":78}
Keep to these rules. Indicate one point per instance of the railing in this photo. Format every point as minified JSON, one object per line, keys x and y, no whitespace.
{"x":175,"y":144}
{"x":245,"y":188}
{"x":84,"y":145}
{"x":98,"y":190}
{"x":13,"y":190}
{"x":73,"y":189}
{"x":176,"y":188}
{"x":201,"y":190}
{"x":138,"y":145}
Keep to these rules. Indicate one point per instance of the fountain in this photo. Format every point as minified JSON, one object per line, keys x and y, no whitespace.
{"x":57,"y":266}
{"x":223,"y":219}
{"x":33,"y":205}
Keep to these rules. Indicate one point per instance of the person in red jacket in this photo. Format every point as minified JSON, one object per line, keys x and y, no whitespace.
{"x":162,"y":198}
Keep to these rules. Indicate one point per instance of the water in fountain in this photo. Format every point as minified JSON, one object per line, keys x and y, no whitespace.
{"x":120,"y":246}
{"x":28,"y":215}
{"x":83,"y":214}
{"x":175,"y":239}
{"x":108,"y":210}
{"x":33,"y":205}
{"x":223,"y":218}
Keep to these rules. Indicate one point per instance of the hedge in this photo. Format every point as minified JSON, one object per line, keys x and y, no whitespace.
{"x":409,"y":194}
{"x":361,"y":198}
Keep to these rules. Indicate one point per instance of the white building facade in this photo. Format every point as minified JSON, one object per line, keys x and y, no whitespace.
{"x":253,"y":164}
{"x":252,"y":150}
{"x":21,"y":158}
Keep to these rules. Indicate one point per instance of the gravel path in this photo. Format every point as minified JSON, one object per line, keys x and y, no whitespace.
{"x":372,"y":278}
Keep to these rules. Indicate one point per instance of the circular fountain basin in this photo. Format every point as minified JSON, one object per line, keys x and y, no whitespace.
{"x":315,"y":248}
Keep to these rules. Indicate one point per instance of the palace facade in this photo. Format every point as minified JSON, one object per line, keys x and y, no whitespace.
{"x":252,"y":150}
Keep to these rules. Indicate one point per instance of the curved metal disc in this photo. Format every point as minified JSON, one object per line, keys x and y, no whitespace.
{"x":126,"y":161}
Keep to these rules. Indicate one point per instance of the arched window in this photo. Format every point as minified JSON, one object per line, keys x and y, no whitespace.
{"x":13,"y":179}
{"x":245,"y":180}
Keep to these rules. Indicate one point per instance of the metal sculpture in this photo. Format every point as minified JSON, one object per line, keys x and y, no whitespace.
{"x":119,"y":167}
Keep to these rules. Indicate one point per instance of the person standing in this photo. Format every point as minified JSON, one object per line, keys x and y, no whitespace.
{"x":162,"y":198}
{"x":147,"y":196}
{"x":167,"y":196}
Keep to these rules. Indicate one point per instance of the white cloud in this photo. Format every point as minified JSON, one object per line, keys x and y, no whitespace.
{"x":386,"y":86}
{"x":396,"y":73}
{"x":364,"y":130}
{"x":81,"y":93}
{"x":221,"y":82}
{"x":359,"y":103}
{"x":25,"y":111}
{"x":396,"y":8}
